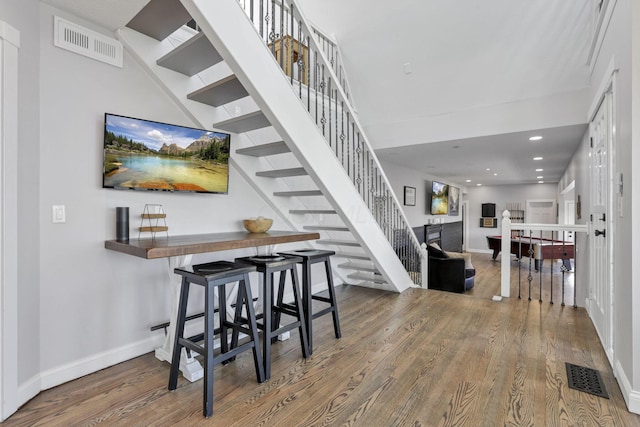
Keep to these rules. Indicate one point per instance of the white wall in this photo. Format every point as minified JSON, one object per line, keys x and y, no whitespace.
{"x":617,"y":47}
{"x":500,"y":195}
{"x":22,"y":15}
{"x":401,"y":176}
{"x":97,"y":305}
{"x":578,"y":171}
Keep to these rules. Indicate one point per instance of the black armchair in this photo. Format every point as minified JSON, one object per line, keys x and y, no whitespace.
{"x":448,"y":274}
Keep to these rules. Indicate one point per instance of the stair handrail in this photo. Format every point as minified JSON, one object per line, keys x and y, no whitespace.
{"x":336,"y":61}
{"x":390,"y":217}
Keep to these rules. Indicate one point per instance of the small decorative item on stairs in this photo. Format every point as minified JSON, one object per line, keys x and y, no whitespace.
{"x":257,"y":225}
{"x":153,"y":221}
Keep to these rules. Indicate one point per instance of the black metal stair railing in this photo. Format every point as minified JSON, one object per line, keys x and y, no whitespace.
{"x":312,"y":64}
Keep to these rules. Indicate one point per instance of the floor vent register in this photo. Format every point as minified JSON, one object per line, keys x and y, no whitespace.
{"x":586,"y":379}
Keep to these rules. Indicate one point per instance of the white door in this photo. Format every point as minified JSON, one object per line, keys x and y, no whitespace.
{"x":569,"y":219}
{"x":601,"y":284}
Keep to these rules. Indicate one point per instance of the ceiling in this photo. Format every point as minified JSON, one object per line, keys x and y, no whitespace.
{"x":493,"y":160}
{"x":464,"y":56}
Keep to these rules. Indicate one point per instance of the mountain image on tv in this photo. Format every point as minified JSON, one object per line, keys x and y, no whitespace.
{"x":146,"y":155}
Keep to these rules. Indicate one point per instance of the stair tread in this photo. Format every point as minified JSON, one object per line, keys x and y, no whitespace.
{"x":282,"y":173}
{"x":298,"y":193}
{"x":244,"y":123}
{"x":192,"y":56}
{"x":158,"y":19}
{"x":352,"y":255}
{"x":309,"y":211}
{"x":358,"y":266}
{"x":337,"y":242}
{"x":324,"y":228}
{"x":219,"y":93}
{"x":262,"y":150}
{"x":375,"y":278}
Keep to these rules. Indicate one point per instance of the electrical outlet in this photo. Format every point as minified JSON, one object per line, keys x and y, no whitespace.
{"x":58,"y":214}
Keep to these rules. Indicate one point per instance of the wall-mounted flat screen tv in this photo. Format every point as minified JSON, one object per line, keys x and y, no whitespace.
{"x":439,"y":198}
{"x":146,"y":155}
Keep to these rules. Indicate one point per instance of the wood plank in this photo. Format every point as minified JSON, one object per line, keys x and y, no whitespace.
{"x":163,"y":247}
{"x":192,"y":56}
{"x":263,"y":150}
{"x":420,"y":358}
{"x":158,"y":19}
{"x":221,"y":92}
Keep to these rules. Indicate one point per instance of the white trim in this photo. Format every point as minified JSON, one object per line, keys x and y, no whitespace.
{"x":600,"y":30}
{"x":9,"y":45}
{"x":79,"y":368}
{"x":603,"y":88}
{"x":569,"y":187}
{"x":631,"y":397}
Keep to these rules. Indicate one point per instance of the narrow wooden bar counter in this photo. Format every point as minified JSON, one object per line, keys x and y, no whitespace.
{"x":202,"y":243}
{"x":178,"y":251}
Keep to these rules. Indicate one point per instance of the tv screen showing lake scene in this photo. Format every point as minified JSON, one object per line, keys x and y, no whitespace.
{"x":147,"y":155}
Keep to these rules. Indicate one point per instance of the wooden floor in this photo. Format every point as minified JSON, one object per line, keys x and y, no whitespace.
{"x":421,"y":358}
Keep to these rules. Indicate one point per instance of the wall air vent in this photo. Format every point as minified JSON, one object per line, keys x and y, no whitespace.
{"x":75,"y":38}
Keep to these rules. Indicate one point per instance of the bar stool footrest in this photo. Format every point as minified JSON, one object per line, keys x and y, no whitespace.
{"x":322,"y":312}
{"x":320,"y":298}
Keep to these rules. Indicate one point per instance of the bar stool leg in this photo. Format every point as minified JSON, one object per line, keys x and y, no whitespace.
{"x":332,"y":297}
{"x":258,"y":361}
{"x":209,"y":327}
{"x":307,"y":301}
{"x":267,"y":314}
{"x":277,"y":315}
{"x":298,"y":302}
{"x":237,"y":316}
{"x":179,"y":333}
{"x":222,"y":314}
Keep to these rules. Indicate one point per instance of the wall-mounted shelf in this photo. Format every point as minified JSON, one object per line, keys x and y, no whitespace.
{"x":153,"y":221}
{"x":489,"y":222}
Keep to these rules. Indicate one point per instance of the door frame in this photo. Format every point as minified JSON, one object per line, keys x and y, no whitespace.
{"x":9,"y":392}
{"x":606,"y":93}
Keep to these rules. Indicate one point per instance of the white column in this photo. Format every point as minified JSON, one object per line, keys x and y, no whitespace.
{"x":9,"y":44}
{"x":505,"y":256}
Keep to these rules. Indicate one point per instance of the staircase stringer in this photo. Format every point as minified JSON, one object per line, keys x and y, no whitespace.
{"x":233,"y":36}
{"x":146,"y":50}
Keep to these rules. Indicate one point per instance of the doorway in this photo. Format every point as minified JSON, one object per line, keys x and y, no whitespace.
{"x":601,"y":284}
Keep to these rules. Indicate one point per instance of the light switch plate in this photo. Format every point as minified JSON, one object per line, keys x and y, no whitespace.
{"x":58,"y":214}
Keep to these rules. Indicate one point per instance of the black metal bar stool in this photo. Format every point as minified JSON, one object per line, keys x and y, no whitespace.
{"x":309,"y":257}
{"x":272,"y":311}
{"x":216,"y":275}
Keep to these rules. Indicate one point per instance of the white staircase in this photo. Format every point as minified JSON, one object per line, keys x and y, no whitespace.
{"x":224,"y":77}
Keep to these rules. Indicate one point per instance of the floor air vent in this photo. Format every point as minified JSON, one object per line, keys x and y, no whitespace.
{"x":75,"y":38}
{"x":586,"y":379}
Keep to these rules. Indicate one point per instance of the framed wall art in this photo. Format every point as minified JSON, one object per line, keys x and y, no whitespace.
{"x":409,"y":196}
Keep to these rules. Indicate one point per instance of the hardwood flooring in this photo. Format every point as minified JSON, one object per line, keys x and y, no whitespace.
{"x":421,"y":358}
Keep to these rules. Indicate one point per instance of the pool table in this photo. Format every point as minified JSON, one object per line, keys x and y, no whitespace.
{"x":542,"y":249}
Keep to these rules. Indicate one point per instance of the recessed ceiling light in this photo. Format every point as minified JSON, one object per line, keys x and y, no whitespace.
{"x":539,"y":170}
{"x":539,"y":177}
{"x":540,"y":182}
{"x":479,"y":185}
{"x":488,"y":169}
{"x":537,"y":158}
{"x":535,"y":138}
{"x":495,"y":174}
{"x":468,"y":180}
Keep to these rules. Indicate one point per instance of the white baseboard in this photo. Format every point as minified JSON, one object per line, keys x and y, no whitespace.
{"x":480,"y":251}
{"x":29,"y":389}
{"x":79,"y":368}
{"x":631,"y":397}
{"x":96,"y":362}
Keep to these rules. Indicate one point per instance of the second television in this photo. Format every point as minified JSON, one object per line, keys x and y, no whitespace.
{"x":439,"y":198}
